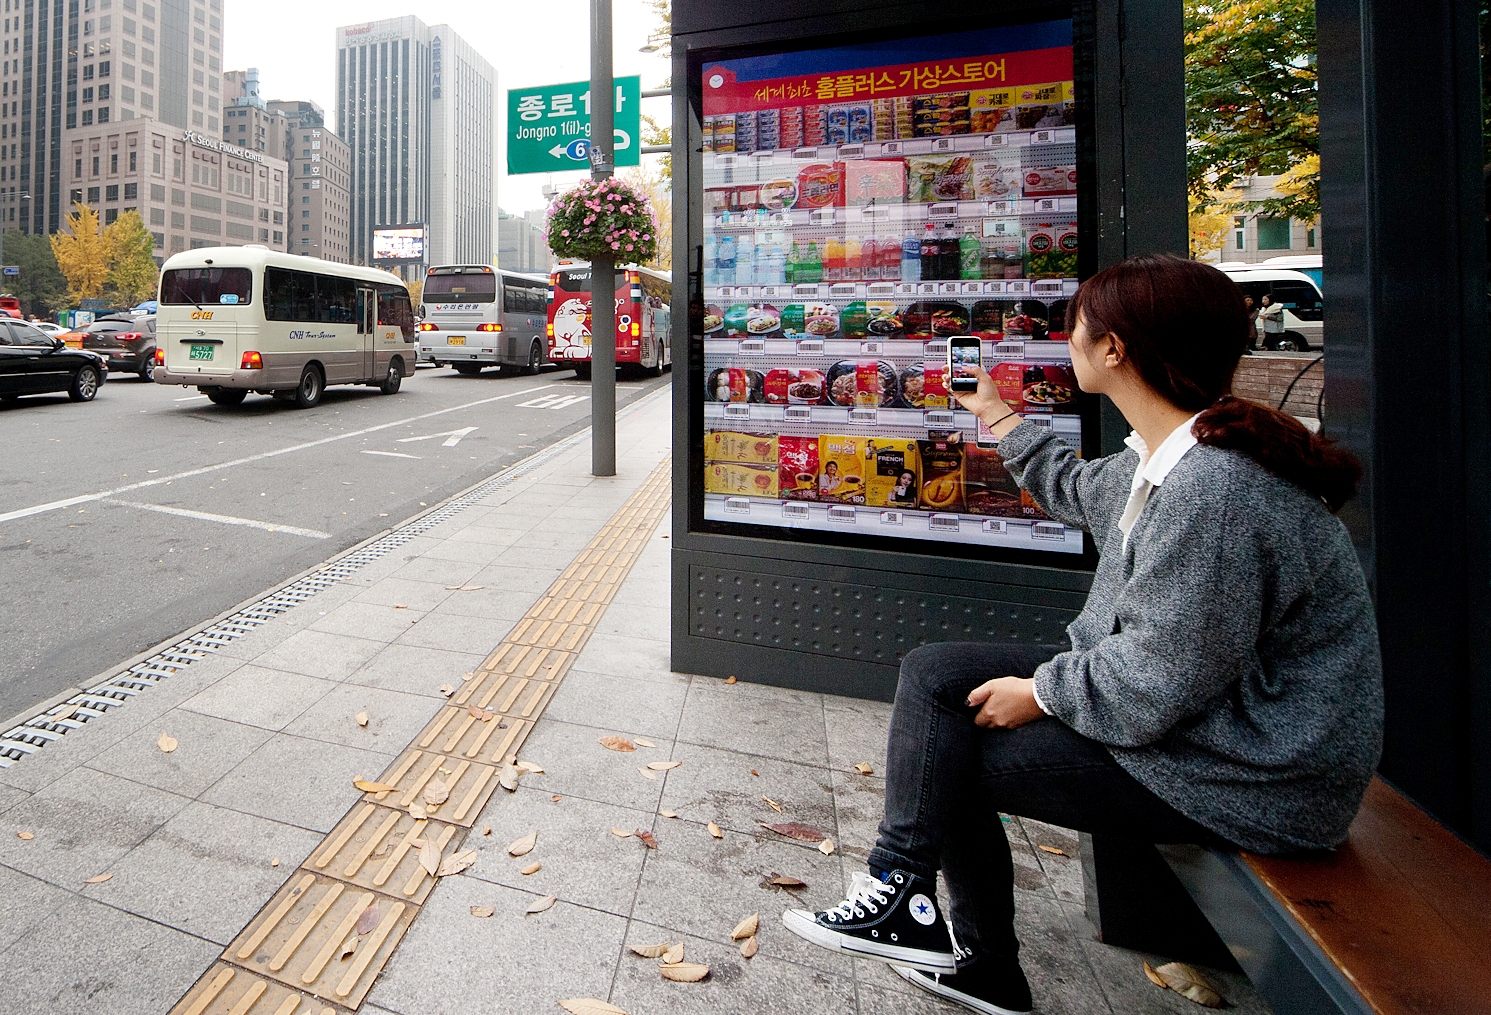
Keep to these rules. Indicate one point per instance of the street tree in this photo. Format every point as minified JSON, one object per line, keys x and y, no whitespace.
{"x":133,"y":275}
{"x":40,"y":286}
{"x":1251,"y":101}
{"x":1208,"y":228}
{"x":82,"y":255}
{"x":656,"y":183}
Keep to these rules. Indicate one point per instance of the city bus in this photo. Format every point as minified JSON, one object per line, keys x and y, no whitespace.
{"x":237,"y":319}
{"x":643,"y":318}
{"x":479,"y":316}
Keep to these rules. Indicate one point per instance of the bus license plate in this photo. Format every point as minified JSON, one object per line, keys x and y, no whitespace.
{"x":456,"y":340}
{"x":201,"y":352}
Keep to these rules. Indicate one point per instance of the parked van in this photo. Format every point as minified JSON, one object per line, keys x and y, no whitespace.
{"x":1296,"y":292}
{"x":239,"y":319}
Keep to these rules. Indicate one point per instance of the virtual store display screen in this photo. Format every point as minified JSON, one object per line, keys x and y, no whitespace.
{"x":862,"y":205}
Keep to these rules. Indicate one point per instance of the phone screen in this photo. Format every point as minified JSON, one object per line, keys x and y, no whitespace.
{"x":963,"y":354}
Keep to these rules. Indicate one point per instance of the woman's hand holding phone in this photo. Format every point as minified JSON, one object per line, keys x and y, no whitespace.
{"x":986,"y":404}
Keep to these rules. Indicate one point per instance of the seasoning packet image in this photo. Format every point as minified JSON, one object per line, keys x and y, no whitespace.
{"x":797,"y":467}
{"x":746,"y":448}
{"x":740,"y":480}
{"x":939,"y":178}
{"x":841,"y":469}
{"x":891,"y":473}
{"x":989,"y":487}
{"x":941,"y":475}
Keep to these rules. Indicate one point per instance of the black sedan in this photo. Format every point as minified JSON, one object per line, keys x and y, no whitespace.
{"x":33,"y":363}
{"x":127,"y":343}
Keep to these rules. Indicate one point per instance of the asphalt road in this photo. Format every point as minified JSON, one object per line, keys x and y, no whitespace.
{"x":91,"y":583}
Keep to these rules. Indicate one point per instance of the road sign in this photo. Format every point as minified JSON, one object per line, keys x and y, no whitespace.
{"x":12,"y":269}
{"x":548,"y":126}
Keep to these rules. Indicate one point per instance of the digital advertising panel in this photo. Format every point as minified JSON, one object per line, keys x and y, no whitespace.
{"x":401,"y":244}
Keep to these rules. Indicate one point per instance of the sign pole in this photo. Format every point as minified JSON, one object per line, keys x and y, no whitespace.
{"x":602,"y":269}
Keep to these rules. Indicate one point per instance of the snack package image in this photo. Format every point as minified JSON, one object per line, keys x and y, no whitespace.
{"x":939,"y":178}
{"x":740,"y":480}
{"x":941,"y":475}
{"x":990,"y":489}
{"x":797,"y":467}
{"x":746,"y":448}
{"x":841,"y":469}
{"x":891,"y":473}
{"x":874,"y":181}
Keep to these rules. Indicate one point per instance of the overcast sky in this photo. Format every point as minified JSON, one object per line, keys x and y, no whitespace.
{"x":530,"y":42}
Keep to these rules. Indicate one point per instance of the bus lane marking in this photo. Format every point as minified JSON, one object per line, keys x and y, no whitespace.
{"x":208,"y":516}
{"x":392,"y":454}
{"x":556,"y":400}
{"x":453,"y":437}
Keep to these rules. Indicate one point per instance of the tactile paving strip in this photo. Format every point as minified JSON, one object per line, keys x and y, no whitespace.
{"x":290,"y":959}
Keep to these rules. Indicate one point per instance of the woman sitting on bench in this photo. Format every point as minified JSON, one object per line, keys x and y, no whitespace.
{"x":1223,"y":684}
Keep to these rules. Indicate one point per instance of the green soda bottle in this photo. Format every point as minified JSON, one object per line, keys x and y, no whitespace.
{"x":811,"y":269}
{"x":794,"y":262}
{"x":970,"y":253}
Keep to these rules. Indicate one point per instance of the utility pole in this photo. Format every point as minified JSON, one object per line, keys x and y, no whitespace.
{"x":602,"y":269}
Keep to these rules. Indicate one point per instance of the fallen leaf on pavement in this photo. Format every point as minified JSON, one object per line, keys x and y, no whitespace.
{"x":362,"y":718}
{"x":1188,"y":983}
{"x":540,"y":905}
{"x":668,"y":814}
{"x":647,"y":837}
{"x":417,"y":811}
{"x":467,"y":675}
{"x":373,"y":787}
{"x":531,"y":767}
{"x":457,"y":862}
{"x":647,"y":774}
{"x":523,"y":846}
{"x":367,"y":921}
{"x":615,"y":743}
{"x":755,"y":773}
{"x":27,"y":836}
{"x":674,"y":953}
{"x":650,"y":951}
{"x":714,"y":830}
{"x":826,"y":847}
{"x":532,"y":868}
{"x":663,"y":766}
{"x":797,"y":830}
{"x":730,"y":679}
{"x":429,"y":857}
{"x":98,"y":879}
{"x":1052,"y":849}
{"x":1154,"y":977}
{"x":748,"y":947}
{"x":746,"y":928}
{"x":166,"y":743}
{"x":447,"y":690}
{"x":436,"y":792}
{"x":684,"y":972}
{"x":401,"y":606}
{"x":508,"y":777}
{"x":482,"y":912}
{"x":274,"y":861}
{"x":556,"y":798}
{"x":474,"y":712}
{"x":783,"y":881}
{"x":772,"y":803}
{"x":589,"y":1006}
{"x":486,"y":829}
{"x":644,"y":742}
{"x":463,"y":588}
{"x":865,"y":768}
{"x":348,"y":947}
{"x":621,"y":833}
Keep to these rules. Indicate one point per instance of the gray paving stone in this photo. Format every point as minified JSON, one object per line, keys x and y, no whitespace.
{"x":634,"y":621}
{"x":206,"y":871}
{"x":414,"y":595}
{"x":582,"y":861}
{"x":492,"y":604}
{"x":83,"y":823}
{"x":507,"y":578}
{"x":490,"y":535}
{"x":207,"y":748}
{"x":575,"y":764}
{"x":393,"y":718}
{"x":859,"y":804}
{"x":366,"y":620}
{"x":526,"y":555}
{"x":624,"y":656}
{"x":756,"y":719}
{"x":466,"y":551}
{"x":297,"y":781}
{"x":10,"y":796}
{"x":25,"y":901}
{"x":857,"y":731}
{"x":445,"y":572}
{"x":87,"y":957}
{"x":452,"y":963}
{"x":1052,"y":955}
{"x":716,"y":785}
{"x":456,"y":633}
{"x":414,"y":669}
{"x":259,"y":696}
{"x":319,"y":654}
{"x":600,"y":699}
{"x":1063,"y":873}
{"x":643,"y":593}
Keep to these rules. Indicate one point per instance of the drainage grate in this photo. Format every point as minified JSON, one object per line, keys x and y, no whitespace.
{"x":35,"y":733}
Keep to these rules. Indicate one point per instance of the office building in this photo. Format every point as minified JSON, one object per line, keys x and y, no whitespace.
{"x":523,"y":243}
{"x":417,"y":107}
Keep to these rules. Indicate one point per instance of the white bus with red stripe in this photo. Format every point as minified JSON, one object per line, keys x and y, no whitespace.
{"x":643,"y":318}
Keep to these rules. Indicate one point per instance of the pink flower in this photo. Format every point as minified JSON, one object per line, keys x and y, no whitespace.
{"x":564,"y":232}
{"x":629,"y":246}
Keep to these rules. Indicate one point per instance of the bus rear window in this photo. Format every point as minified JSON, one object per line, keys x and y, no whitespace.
{"x":476,"y":287}
{"x":201,"y":286}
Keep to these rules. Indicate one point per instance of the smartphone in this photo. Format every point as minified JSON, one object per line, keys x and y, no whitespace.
{"x":963,"y":354}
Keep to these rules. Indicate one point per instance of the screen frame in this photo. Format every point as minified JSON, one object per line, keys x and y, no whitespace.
{"x":822,"y":546}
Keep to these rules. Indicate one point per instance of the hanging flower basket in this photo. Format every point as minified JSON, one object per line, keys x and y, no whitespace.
{"x":605,"y":218}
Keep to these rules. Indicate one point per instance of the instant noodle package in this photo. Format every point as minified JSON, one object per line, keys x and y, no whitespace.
{"x":939,"y":178}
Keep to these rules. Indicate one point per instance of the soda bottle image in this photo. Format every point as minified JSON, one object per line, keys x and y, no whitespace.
{"x":725,"y":261}
{"x":794,"y":261}
{"x":833,"y":260}
{"x":869,"y":260}
{"x":762,"y":273}
{"x":970,"y":253}
{"x":931,"y":253}
{"x":811,"y":269}
{"x":911,"y":258}
{"x":711,"y":260}
{"x":853,"y":259}
{"x":776,"y":262}
{"x":890,"y":259}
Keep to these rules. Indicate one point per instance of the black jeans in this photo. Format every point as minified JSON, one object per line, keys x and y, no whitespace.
{"x":947,"y":780}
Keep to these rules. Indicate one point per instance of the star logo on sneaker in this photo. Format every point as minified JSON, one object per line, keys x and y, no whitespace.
{"x":922,"y":910}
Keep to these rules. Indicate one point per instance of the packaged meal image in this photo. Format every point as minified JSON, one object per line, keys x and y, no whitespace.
{"x":862,"y":382}
{"x":737,"y":320}
{"x":996,"y":181}
{"x":797,"y":467}
{"x":1042,"y":257}
{"x":854,"y":320}
{"x":936,"y":319}
{"x":786,"y":386}
{"x":735,"y":384}
{"x":1050,"y":181}
{"x":746,"y":448}
{"x":941,"y":475}
{"x":988,"y":318}
{"x":890,"y":473}
{"x":810,"y":320}
{"x":763,"y":319}
{"x":841,"y":469}
{"x":779,"y":195}
{"x":989,"y":487}
{"x":1049,"y":387}
{"x":939,"y":178}
{"x":1025,"y":319}
{"x":740,"y":480}
{"x":883,"y":320}
{"x":714,"y":319}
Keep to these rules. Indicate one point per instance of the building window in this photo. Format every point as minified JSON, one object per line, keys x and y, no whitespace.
{"x":131,"y":191}
{"x":1310,"y":237}
{"x":103,"y":69}
{"x":1273,"y":232}
{"x":1238,"y":224}
{"x":103,"y":115}
{"x":88,"y":73}
{"x":77,"y":169}
{"x":87,"y":94}
{"x":114,"y":164}
{"x":95,"y":165}
{"x":93,"y":195}
{"x":157,"y":217}
{"x":87,"y":117}
{"x":155,"y":163}
{"x":111,"y":215}
{"x":111,"y":192}
{"x":159,"y":239}
{"x":76,"y":197}
{"x":133,"y":161}
{"x":103,"y":92}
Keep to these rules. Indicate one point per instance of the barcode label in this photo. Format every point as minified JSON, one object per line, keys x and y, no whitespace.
{"x":738,"y":409}
{"x":724,"y":160}
{"x":1046,"y":204}
{"x":1046,"y":287}
{"x":842,"y":289}
{"x":821,"y":216}
{"x":892,"y":518}
{"x":841,"y":513}
{"x":775,"y":290}
{"x":870,"y":348}
{"x":1002,"y":208}
{"x":851,"y":151}
{"x":753,"y":347}
{"x":995,"y":141}
{"x":942,"y":144}
{"x":810,"y":347}
{"x":1009,"y":350}
{"x":891,"y":148}
{"x":972,"y":288}
{"x":937,"y":348}
{"x":1017,"y":286}
{"x":993,"y":287}
{"x":798,"y":414}
{"x":1044,"y":421}
{"x":881,"y":288}
{"x":949,"y":288}
{"x":944,"y":523}
{"x":866,"y":414}
{"x":943,"y":211}
{"x":906,"y":288}
{"x":810,"y":289}
{"x":1048,"y":530}
{"x":738,"y":505}
{"x":926,"y":288}
{"x":804,"y":153}
{"x":795,"y":511}
{"x":938,"y":419}
{"x":1042,"y":137}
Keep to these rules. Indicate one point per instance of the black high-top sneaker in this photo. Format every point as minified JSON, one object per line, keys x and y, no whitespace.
{"x":993,"y":986}
{"x":894,"y":918}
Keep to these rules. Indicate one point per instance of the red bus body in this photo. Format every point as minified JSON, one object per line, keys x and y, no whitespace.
{"x":642,"y":317}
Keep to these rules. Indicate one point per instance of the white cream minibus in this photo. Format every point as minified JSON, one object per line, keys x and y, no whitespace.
{"x":237,"y":319}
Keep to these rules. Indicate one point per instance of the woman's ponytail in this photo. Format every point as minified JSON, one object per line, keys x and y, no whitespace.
{"x":1282,"y":445}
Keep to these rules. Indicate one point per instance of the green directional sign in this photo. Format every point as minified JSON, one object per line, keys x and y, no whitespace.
{"x":548,"y":126}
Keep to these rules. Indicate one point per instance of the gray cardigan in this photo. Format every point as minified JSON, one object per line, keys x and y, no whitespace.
{"x":1229,"y":659}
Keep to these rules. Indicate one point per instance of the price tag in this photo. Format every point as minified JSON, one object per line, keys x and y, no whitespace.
{"x":807,"y":289}
{"x":864,"y":414}
{"x":1001,"y":208}
{"x":881,"y":289}
{"x":870,"y":348}
{"x":841,"y":513}
{"x":843,"y":290}
{"x":996,"y":526}
{"x":1007,"y":351}
{"x":798,"y":414}
{"x":769,"y":291}
{"x":738,"y":410}
{"x":949,"y":288}
{"x":1018,"y":285}
{"x":937,"y":348}
{"x":796,"y":512}
{"x":1046,"y":287}
{"x":851,"y":151}
{"x":727,"y":292}
{"x":943,"y":211}
{"x":738,"y":505}
{"x":821,"y":216}
{"x":942,"y":144}
{"x":1048,"y":530}
{"x":926,"y":288}
{"x":938,"y":419}
{"x":944,"y":523}
{"x":724,"y":160}
{"x":874,"y":211}
{"x":753,"y":347}
{"x":892,"y":148}
{"x":892,"y":518}
{"x":906,"y":288}
{"x":996,"y":141}
{"x":1042,"y":137}
{"x":810,"y":347}
{"x":805,"y":153}
{"x":972,"y":288}
{"x":994,"y":287}
{"x":1046,"y":204}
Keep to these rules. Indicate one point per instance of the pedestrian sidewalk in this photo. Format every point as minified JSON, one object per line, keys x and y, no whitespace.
{"x":551,"y":594}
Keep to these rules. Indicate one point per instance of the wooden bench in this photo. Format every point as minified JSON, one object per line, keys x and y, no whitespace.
{"x":1395,"y":922}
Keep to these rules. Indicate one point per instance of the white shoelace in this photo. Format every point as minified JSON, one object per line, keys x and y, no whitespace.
{"x":863,"y":891}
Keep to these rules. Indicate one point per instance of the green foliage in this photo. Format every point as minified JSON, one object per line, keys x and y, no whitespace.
{"x":40,"y":287}
{"x":603,"y":218}
{"x":1251,"y":99}
{"x":133,"y":276}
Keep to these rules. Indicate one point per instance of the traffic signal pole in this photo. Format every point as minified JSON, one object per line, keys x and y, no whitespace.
{"x":602,"y":269}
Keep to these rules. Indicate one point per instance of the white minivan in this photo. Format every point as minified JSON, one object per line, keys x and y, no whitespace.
{"x":239,"y":319}
{"x":1296,"y":292}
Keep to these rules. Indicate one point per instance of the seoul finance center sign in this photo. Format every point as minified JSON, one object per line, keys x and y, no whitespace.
{"x":548,"y":127}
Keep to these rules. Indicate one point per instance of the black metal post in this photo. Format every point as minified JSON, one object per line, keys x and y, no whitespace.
{"x":602,"y":269}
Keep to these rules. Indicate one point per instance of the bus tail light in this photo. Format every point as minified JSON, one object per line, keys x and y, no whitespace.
{"x":549,"y":329}
{"x":427,"y":326}
{"x":636,"y":328}
{"x":489,"y":327}
{"x":251,"y":361}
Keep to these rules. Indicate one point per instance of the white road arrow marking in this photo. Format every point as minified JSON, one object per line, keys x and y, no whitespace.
{"x":392,"y":454}
{"x":554,"y":401}
{"x":453,"y":437}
